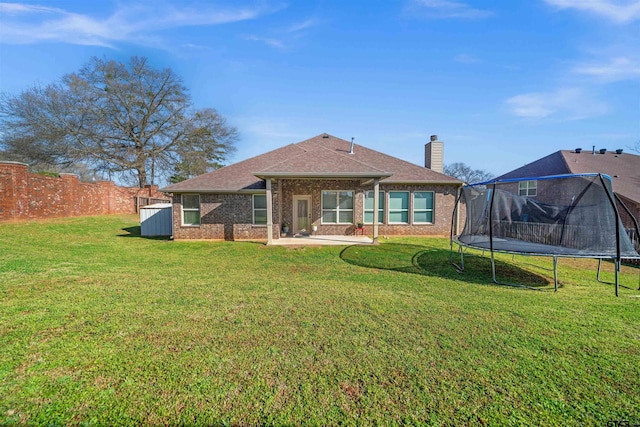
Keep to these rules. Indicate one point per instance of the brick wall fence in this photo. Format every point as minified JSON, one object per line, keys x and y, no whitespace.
{"x":25,"y":195}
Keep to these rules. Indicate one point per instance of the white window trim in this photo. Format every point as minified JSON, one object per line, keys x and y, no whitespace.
{"x":380,"y":211}
{"x":337,"y":210}
{"x":531,"y":186}
{"x":183,"y":209}
{"x":408,"y":210}
{"x":253,"y":209}
{"x":432,"y":210}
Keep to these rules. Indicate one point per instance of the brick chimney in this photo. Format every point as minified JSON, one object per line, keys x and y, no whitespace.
{"x":434,"y":154}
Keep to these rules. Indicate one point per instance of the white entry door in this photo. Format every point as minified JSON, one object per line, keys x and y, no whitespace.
{"x":301,"y":214}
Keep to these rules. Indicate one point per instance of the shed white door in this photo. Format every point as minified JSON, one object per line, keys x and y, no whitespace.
{"x":301,"y":214}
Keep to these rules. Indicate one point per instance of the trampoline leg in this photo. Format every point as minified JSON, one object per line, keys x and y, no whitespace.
{"x":598,"y":274}
{"x":617,"y":273}
{"x":459,"y":268}
{"x":555,"y":273}
{"x":493,"y":268}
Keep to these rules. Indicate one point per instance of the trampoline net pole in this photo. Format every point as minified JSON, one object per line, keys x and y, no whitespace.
{"x":460,"y":267}
{"x":617,"y":273}
{"x":493,"y":262}
{"x":555,"y":273}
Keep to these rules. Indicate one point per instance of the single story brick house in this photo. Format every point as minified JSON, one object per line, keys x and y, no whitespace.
{"x":323,"y":185}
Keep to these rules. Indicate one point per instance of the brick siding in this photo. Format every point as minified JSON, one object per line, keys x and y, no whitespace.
{"x":229,"y":216}
{"x":222,"y":217}
{"x":24,"y":195}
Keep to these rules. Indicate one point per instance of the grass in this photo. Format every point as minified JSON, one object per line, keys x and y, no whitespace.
{"x":99,"y":326}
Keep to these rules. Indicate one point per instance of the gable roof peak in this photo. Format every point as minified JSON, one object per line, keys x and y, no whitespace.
{"x":321,"y":155}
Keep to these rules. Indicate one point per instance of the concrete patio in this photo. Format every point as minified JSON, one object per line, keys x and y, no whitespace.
{"x":308,"y":240}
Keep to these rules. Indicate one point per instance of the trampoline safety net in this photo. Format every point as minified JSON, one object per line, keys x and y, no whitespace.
{"x":563,"y":215}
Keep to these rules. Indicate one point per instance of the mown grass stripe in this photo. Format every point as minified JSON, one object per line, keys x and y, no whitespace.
{"x":99,"y":326}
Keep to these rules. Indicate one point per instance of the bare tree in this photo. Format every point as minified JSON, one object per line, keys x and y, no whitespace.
{"x":464,"y":173}
{"x":123,"y":119}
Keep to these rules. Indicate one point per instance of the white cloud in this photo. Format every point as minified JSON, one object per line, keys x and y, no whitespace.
{"x":269,"y":41}
{"x":18,"y":8}
{"x":617,"y":11}
{"x":465,"y":58}
{"x":193,"y":46}
{"x":300,"y":26}
{"x":616,"y":69}
{"x":27,"y":24}
{"x":285,"y":36}
{"x":562,"y":104}
{"x":443,"y":9}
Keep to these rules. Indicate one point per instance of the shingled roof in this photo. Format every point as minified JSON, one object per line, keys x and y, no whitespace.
{"x":323,"y":156}
{"x":623,"y":168}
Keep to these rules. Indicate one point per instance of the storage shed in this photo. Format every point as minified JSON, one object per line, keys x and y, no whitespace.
{"x":156,"y":220}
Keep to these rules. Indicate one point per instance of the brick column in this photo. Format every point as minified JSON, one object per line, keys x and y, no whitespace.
{"x":14,"y":187}
{"x":71,"y":194}
{"x":108,"y":202}
{"x":152,"y":191}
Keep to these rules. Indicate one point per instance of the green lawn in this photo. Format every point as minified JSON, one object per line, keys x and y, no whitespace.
{"x":99,"y":326}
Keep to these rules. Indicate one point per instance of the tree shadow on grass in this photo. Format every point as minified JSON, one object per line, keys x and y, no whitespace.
{"x":135,"y":231}
{"x":434,"y":261}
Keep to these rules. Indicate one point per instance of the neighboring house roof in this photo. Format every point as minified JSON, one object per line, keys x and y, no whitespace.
{"x":317,"y":157}
{"x":623,"y":168}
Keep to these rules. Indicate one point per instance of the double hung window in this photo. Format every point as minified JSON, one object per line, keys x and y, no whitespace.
{"x":368,"y":207}
{"x":528,"y":188}
{"x":337,"y":207}
{"x":259,"y":209}
{"x":190,"y":209}
{"x":398,"y":207}
{"x":423,"y":207}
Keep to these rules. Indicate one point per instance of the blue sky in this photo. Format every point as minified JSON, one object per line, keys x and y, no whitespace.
{"x":502,"y":83}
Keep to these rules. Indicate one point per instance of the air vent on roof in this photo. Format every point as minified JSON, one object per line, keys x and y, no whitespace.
{"x":603,"y":151}
{"x":619,"y":151}
{"x":325,"y":136}
{"x":578,"y":150}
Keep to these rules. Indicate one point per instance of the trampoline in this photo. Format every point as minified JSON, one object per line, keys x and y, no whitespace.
{"x":573,"y":216}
